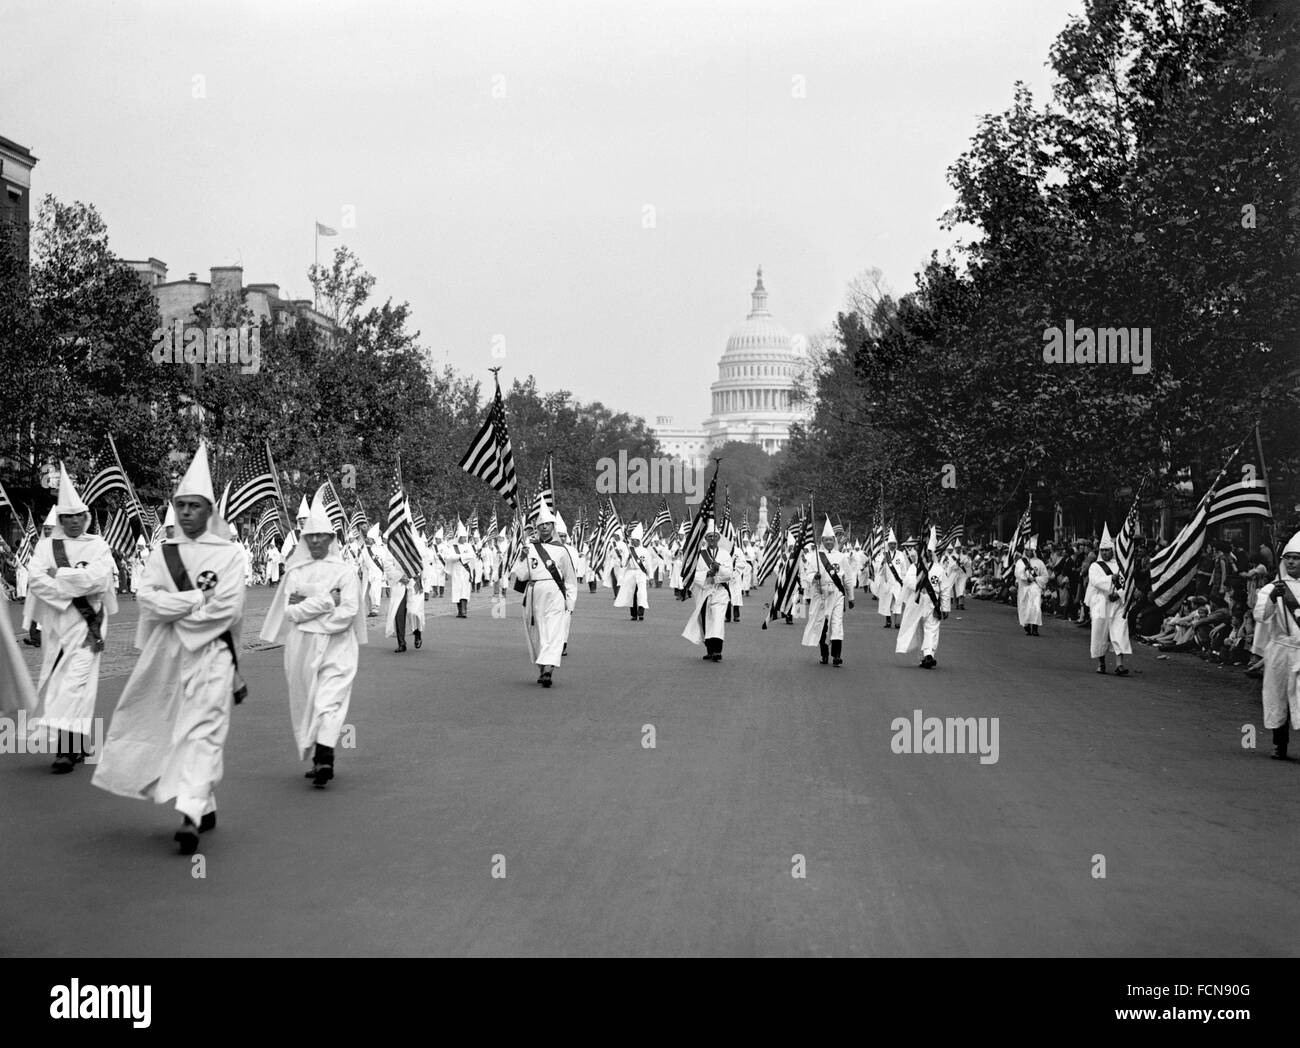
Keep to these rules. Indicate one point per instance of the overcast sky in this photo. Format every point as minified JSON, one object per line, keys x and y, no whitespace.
{"x":524,"y":216}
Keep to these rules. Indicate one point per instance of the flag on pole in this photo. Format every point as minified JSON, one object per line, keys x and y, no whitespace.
{"x":1125,"y":544}
{"x":333,"y":507}
{"x":133,"y":504}
{"x":27,"y":544}
{"x":612,"y":532}
{"x":661,"y":518}
{"x":773,"y":547}
{"x":727,"y":529}
{"x":788,"y":582}
{"x":323,"y":230}
{"x":1173,"y":567}
{"x":492,"y":522}
{"x":1018,"y":539}
{"x":490,"y":457}
{"x":399,"y":534}
{"x":1246,"y":498}
{"x":109,"y":479}
{"x":254,"y":481}
{"x":545,"y":492}
{"x":6,"y":501}
{"x":117,"y":533}
{"x":955,"y":531}
{"x":695,"y":538}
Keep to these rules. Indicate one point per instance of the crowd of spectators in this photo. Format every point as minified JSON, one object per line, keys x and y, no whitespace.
{"x":1214,"y":620}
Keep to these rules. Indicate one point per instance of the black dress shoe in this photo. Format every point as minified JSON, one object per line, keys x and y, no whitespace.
{"x":417,"y":638}
{"x":546,"y":679}
{"x":1035,"y":631}
{"x":708,"y":656}
{"x":187,"y":837}
{"x":1121,"y":671}
{"x":321,"y":774}
{"x":208,"y":822}
{"x":825,"y":659}
{"x":400,"y":648}
{"x":838,"y":662}
{"x":63,"y":764}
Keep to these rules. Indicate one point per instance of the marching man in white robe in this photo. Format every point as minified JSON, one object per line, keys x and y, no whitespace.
{"x":889,"y":582}
{"x":1104,"y":598}
{"x":274,"y":564}
{"x":405,"y":603}
{"x":714,"y":571}
{"x":1277,"y":610}
{"x":925,"y":606}
{"x":634,"y":579}
{"x":169,"y":729}
{"x":543,"y":572}
{"x":829,"y":583}
{"x":72,"y":577}
{"x":317,"y":614}
{"x":1031,"y":580}
{"x":460,"y":559}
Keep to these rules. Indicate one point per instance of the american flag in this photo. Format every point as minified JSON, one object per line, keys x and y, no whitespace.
{"x":580,"y":528}
{"x":1247,"y":498}
{"x":661,"y":518}
{"x":330,"y":498}
{"x":118,"y":534}
{"x":490,"y":456}
{"x":107,"y":480}
{"x":400,"y":534}
{"x":472,"y":523}
{"x":1018,"y":539}
{"x":1125,"y":544}
{"x":545,"y":492}
{"x":27,"y":544}
{"x":254,"y":481}
{"x":773,"y":546}
{"x":5,"y":500}
{"x":955,"y":531}
{"x":695,"y":538}
{"x":787,"y":583}
{"x":492,"y":522}
{"x":610,"y":532}
{"x":594,"y":538}
{"x":727,"y":529}
{"x":360,"y":519}
{"x":1173,"y":567}
{"x":268,"y":525}
{"x":417,"y":518}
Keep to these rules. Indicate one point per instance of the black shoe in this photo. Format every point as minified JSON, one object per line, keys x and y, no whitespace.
{"x":566,"y":648}
{"x":928,"y":661}
{"x":708,"y":656}
{"x":321,"y":774}
{"x":717,"y":656}
{"x":1028,"y":631}
{"x":1121,"y":671}
{"x":187,"y":837}
{"x":825,"y":659}
{"x":417,"y":638}
{"x":889,"y":622}
{"x":63,"y":764}
{"x":546,"y":679}
{"x":1035,"y":629}
{"x":1279,"y":754}
{"x":898,"y":625}
{"x":837,"y":662}
{"x":400,"y":648}
{"x":1101,"y":668}
{"x":208,"y":822}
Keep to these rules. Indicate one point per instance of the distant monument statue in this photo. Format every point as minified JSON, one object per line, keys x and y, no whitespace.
{"x":762,"y":517}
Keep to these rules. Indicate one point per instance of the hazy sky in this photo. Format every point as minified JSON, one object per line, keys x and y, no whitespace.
{"x":524,"y":216}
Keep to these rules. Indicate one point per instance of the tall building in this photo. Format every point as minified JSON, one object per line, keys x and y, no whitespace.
{"x":753,"y":397}
{"x":16,"y":163}
{"x":177,"y":298}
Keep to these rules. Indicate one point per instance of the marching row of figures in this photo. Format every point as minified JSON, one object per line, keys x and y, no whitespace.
{"x":168,"y":730}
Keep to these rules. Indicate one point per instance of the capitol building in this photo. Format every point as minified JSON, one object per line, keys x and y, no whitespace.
{"x":753,"y":398}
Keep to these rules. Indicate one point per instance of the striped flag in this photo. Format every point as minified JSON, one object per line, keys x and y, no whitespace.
{"x":661,"y":518}
{"x":1247,"y":498}
{"x":727,"y":529}
{"x":330,"y":499}
{"x":610,"y":534}
{"x":399,"y":534}
{"x":107,"y":480}
{"x":268,"y":525}
{"x":1173,"y":567}
{"x":773,"y":546}
{"x":545,"y":493}
{"x":695,"y":538}
{"x":787,"y":585}
{"x":27,"y":544}
{"x":118,"y":533}
{"x":254,"y":482}
{"x":1125,"y":544}
{"x":6,"y":501}
{"x":955,"y":531}
{"x":490,"y":457}
{"x":1018,"y":539}
{"x":492,"y":522}
{"x":418,"y":520}
{"x":472,"y":523}
{"x":360,"y":519}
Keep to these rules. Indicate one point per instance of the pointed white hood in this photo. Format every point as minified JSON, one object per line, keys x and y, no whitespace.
{"x":198,"y":478}
{"x":318,"y":519}
{"x":828,"y":532}
{"x":69,"y":501}
{"x":1106,"y":540}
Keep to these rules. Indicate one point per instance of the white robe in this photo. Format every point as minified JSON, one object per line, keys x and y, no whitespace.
{"x":633,"y":579}
{"x":1281,"y":694}
{"x":827,"y":601}
{"x":1031,"y":579}
{"x":921,"y":621}
{"x":709,"y":616}
{"x":546,"y":610}
{"x":397,"y":590}
{"x":889,"y":589}
{"x":460,"y":559}
{"x":170,"y":725}
{"x":274,"y":565}
{"x":69,"y":681}
{"x":16,"y":691}
{"x":1109,"y":626}
{"x":321,"y":646}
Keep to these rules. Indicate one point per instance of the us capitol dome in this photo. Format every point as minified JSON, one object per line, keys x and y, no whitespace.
{"x":753,"y":397}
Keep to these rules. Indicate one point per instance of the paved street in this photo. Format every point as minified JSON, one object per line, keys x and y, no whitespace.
{"x":611,"y":848}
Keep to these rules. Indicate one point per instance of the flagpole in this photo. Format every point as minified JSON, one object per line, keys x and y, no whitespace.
{"x":1259,"y":446}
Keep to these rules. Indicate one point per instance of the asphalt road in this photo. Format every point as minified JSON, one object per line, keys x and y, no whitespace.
{"x":463,"y":765}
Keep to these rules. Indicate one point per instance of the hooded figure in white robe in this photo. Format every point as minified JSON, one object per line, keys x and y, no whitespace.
{"x":274,"y":564}
{"x":170,"y":725}
{"x":550,"y":595}
{"x":634,"y":578}
{"x":829,"y":580}
{"x":436,"y":573}
{"x":1277,"y":615}
{"x":372,"y":567}
{"x":460,"y":559}
{"x":405,"y":603}
{"x":889,"y":582}
{"x":72,"y":576}
{"x":1031,"y":581}
{"x":713,"y":575}
{"x":1105,"y":600}
{"x":318,"y":615}
{"x":923,"y":614}
{"x":16,"y":691}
